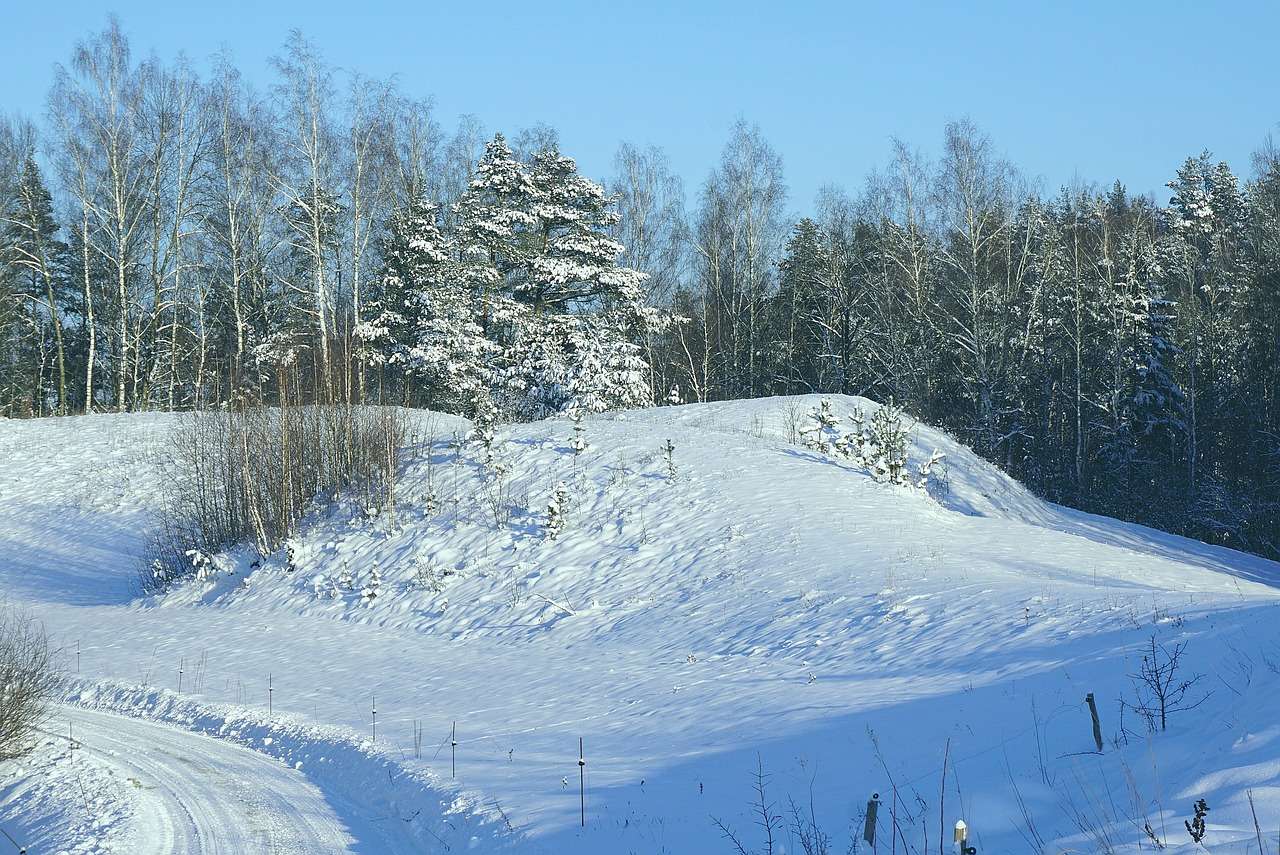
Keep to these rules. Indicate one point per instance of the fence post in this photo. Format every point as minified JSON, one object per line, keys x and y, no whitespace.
{"x":582,"y":782}
{"x":1097,"y":726}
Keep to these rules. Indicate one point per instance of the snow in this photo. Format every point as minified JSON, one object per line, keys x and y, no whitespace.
{"x":765,"y":602}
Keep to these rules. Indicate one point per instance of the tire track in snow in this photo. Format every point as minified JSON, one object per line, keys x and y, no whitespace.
{"x":204,"y":796}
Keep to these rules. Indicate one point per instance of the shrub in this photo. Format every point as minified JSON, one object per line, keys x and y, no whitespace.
{"x":248,"y":473}
{"x":28,"y":680}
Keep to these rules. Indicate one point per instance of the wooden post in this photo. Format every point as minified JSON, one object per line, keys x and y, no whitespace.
{"x":869,"y":821}
{"x":1097,"y":726}
{"x":582,"y":783}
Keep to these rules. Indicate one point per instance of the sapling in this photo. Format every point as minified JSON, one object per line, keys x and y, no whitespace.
{"x":579,"y":441}
{"x":556,"y":510}
{"x":201,"y":565}
{"x":372,"y":586}
{"x":668,"y":455}
{"x":1159,"y":688}
{"x":822,"y":435}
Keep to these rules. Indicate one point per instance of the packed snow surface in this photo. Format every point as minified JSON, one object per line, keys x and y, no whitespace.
{"x":746,"y":601}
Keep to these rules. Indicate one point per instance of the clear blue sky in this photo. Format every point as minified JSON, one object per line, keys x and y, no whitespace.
{"x":1121,"y":89}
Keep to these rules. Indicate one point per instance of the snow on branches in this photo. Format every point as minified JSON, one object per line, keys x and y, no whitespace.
{"x":520,"y":301}
{"x":879,"y":447}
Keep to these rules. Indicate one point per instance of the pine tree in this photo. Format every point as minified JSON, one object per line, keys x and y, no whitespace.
{"x":29,"y":235}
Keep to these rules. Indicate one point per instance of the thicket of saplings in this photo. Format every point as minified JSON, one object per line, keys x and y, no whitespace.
{"x":28,"y":680}
{"x":249,"y":471}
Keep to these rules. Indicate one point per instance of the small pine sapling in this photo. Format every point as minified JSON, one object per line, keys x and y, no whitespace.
{"x":347,"y":579}
{"x":579,"y":441}
{"x":556,"y":509}
{"x":201,"y":565}
{"x":669,"y":457}
{"x":372,"y":586}
{"x":855,"y":441}
{"x":890,"y":440}
{"x":673,"y":397}
{"x":485,"y":432}
{"x":821,"y":435}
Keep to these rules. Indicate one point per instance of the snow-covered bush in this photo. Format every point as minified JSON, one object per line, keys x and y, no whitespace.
{"x":28,"y":680}
{"x":429,"y":576}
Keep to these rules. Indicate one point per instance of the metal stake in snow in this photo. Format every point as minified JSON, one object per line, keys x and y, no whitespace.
{"x":962,"y":839}
{"x":22,"y":850}
{"x":582,"y":783}
{"x":181,"y":663}
{"x":270,"y":699}
{"x":77,"y":656}
{"x":375,"y":718}
{"x":453,"y":746}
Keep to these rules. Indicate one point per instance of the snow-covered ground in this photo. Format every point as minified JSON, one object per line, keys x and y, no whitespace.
{"x":763,"y":604}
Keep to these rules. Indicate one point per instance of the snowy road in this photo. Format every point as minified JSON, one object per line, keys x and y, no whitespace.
{"x":203,"y":795}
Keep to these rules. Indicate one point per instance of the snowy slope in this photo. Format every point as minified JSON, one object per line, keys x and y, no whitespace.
{"x":765,"y":602}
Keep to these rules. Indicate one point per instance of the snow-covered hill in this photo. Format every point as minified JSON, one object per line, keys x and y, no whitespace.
{"x":763,"y":602}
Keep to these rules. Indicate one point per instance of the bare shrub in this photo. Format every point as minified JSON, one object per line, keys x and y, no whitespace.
{"x":1159,"y":687}
{"x":28,"y":680}
{"x":249,"y":472}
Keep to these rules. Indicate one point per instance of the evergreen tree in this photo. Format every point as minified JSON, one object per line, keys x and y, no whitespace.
{"x":30,"y":236}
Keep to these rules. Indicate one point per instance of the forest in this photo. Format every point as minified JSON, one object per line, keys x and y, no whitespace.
{"x":171,"y":240}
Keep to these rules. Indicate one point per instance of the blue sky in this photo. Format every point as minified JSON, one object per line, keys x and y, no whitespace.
{"x":1091,"y":90}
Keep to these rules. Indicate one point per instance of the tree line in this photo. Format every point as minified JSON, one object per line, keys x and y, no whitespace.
{"x":173,"y":241}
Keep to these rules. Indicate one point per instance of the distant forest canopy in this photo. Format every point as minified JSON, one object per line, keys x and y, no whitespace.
{"x":191,"y":242}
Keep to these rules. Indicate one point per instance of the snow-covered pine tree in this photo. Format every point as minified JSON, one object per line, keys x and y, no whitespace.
{"x":413,"y":253}
{"x":583,"y":312}
{"x":578,"y":442}
{"x":556,"y":509}
{"x":890,"y":440}
{"x":822,"y":435}
{"x":372,"y":587}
